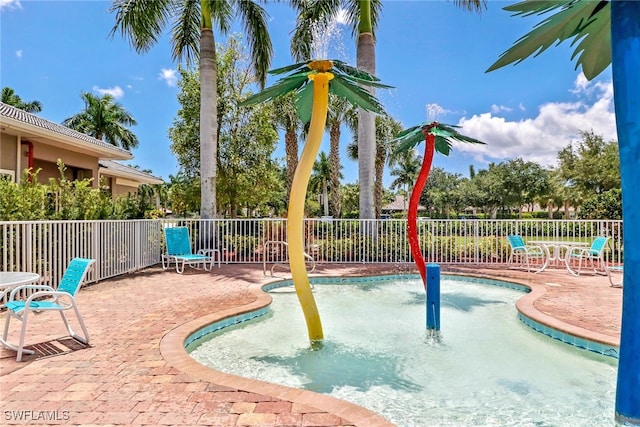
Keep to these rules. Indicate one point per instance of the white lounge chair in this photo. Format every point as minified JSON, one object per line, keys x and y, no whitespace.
{"x":179,"y":251}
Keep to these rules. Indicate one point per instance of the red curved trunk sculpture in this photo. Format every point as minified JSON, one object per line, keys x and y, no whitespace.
{"x":414,"y":202}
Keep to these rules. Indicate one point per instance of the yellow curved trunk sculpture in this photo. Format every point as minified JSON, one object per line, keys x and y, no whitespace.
{"x":295,"y":223}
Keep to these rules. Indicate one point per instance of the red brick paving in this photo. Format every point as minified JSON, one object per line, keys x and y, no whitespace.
{"x":136,"y":371}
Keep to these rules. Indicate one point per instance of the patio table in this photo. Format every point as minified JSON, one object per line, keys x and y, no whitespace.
{"x":553,"y":251}
{"x":12,"y":279}
{"x":8,"y":281}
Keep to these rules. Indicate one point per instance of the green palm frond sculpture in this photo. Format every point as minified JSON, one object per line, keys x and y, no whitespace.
{"x":586,"y":22}
{"x":347,"y":82}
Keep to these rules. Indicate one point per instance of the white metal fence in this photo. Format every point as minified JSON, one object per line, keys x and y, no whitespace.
{"x":45,"y":247}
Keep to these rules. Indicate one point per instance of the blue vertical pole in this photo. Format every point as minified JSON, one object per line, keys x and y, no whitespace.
{"x":625,"y":61}
{"x":433,"y":297}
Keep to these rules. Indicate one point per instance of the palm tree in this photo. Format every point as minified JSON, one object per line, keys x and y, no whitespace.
{"x":340,"y":111}
{"x":438,"y":137}
{"x":608,"y":33}
{"x":286,"y":117}
{"x":363,"y":16}
{"x":9,"y":97}
{"x":312,"y":101}
{"x":192,"y":38}
{"x":104,"y":119}
{"x":406,"y":170}
{"x":320,"y":179}
{"x":386,"y":128}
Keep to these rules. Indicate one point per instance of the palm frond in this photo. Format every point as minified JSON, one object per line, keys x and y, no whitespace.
{"x":353,"y":71}
{"x":443,"y":145}
{"x":582,"y":20}
{"x":254,"y":20}
{"x":304,"y":103}
{"x":355,"y":94}
{"x":186,"y":33}
{"x":408,"y":139}
{"x":282,"y":87}
{"x":445,"y":136}
{"x":289,"y":68}
{"x":141,"y":23}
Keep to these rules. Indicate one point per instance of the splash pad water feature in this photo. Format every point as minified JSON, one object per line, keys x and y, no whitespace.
{"x":487,"y":368}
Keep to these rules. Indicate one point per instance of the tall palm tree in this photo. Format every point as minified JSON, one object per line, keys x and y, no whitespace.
{"x":320,"y":178}
{"x":286,"y":117}
{"x":386,"y":128}
{"x":104,"y":119}
{"x":142,"y":22}
{"x":340,"y":111}
{"x":312,"y":82}
{"x":9,"y":97}
{"x":363,"y":16}
{"x":437,"y":137}
{"x":608,"y":33}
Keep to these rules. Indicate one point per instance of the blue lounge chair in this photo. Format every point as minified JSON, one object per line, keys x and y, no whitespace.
{"x":179,"y":251}
{"x":594,"y":255}
{"x":45,"y":298}
{"x":523,"y":252}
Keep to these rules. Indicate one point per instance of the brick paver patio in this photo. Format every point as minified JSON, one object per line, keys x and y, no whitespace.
{"x":136,"y":372}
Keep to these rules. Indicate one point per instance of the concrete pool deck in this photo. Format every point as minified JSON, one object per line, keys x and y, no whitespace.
{"x":136,"y":372}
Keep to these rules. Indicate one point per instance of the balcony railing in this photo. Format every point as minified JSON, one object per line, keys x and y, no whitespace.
{"x":45,"y":247}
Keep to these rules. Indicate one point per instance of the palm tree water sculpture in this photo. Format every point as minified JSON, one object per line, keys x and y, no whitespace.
{"x":438,"y":137}
{"x":312,"y":102}
{"x":609,"y":33}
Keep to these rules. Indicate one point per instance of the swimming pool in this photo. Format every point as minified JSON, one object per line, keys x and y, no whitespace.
{"x":486,"y":368}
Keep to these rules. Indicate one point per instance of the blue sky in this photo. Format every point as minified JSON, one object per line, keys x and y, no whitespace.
{"x":434,"y":53}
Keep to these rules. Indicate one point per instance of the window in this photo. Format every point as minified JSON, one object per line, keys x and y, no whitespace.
{"x":8,"y":175}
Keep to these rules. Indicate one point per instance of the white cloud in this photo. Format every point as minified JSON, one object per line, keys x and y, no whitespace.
{"x":500,"y":108}
{"x":19,"y":54}
{"x":10,"y":4}
{"x":169,"y":76}
{"x":116,"y":92}
{"x":540,"y":138}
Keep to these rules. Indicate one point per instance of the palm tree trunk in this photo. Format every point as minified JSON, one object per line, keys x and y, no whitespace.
{"x":380,"y":160}
{"x":208,"y":124}
{"x":291,"y":151}
{"x":625,"y":43}
{"x":414,"y":202}
{"x":334,"y":161}
{"x":366,"y":61}
{"x":295,"y":223}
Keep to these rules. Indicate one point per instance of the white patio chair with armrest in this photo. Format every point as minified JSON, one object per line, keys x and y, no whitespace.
{"x":525,"y":253}
{"x":45,"y":298}
{"x":179,"y":251}
{"x":593,"y":254}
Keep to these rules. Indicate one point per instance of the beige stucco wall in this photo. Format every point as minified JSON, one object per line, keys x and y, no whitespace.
{"x":8,"y":147}
{"x":78,"y":166}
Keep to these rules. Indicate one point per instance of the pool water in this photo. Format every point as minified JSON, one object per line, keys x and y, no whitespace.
{"x":485,"y":367}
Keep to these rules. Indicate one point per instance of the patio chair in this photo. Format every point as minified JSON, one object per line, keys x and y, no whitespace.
{"x":618,"y":272}
{"x":594,"y":255}
{"x":179,"y":251}
{"x":45,"y":298}
{"x":523,"y":252}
